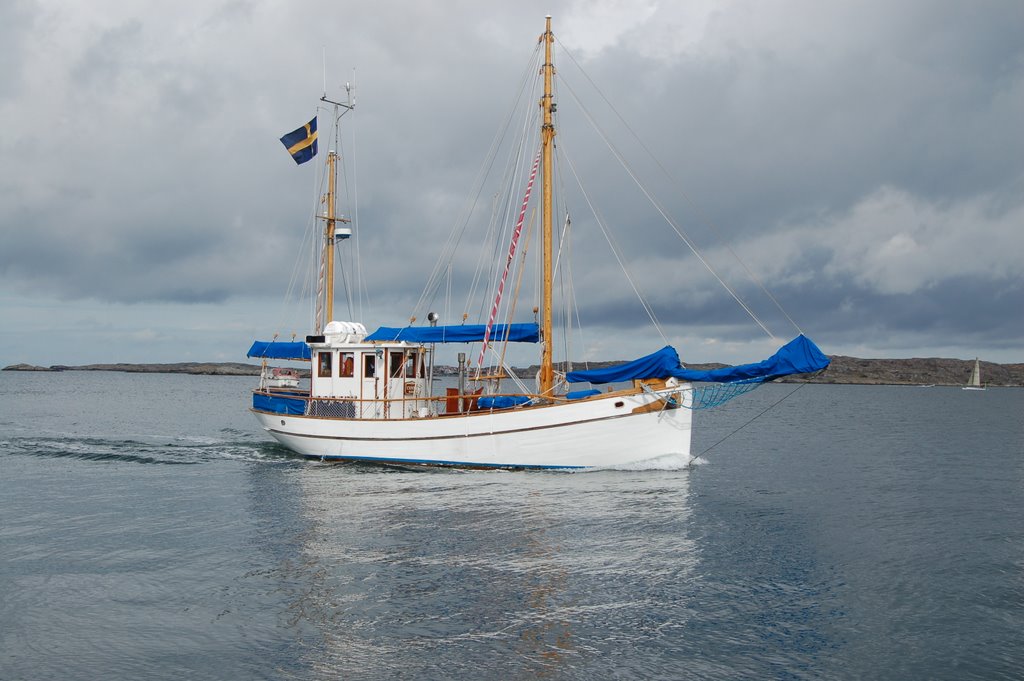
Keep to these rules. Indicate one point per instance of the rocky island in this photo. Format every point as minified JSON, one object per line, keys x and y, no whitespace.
{"x":202,"y":368}
{"x":848,"y":370}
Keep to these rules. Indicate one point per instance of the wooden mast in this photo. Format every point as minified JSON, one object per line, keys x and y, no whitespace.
{"x":329,"y":241}
{"x":547,"y":372}
{"x":330,"y":233}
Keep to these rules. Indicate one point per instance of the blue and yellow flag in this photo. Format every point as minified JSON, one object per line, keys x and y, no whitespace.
{"x":301,"y":143}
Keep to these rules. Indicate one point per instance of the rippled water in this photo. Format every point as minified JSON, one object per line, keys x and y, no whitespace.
{"x":147,"y":530}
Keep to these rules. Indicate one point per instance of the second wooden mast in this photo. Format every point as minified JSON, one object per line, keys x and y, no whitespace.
{"x":329,"y":241}
{"x":547,"y":371}
{"x":332,"y":232}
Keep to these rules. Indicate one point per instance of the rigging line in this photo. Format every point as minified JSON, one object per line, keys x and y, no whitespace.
{"x":478,"y":265}
{"x":572,"y":307}
{"x":565,"y":299}
{"x":498,"y":232}
{"x":515,"y":181}
{"x":517,"y":177}
{"x":615,"y":250}
{"x":486,"y":263}
{"x":661,"y":210}
{"x":340,"y":252}
{"x":511,"y":374}
{"x":360,"y":283}
{"x":304,"y":265}
{"x":298,"y":267}
{"x":614,"y":246}
{"x":561,"y":193}
{"x":701,"y":216}
{"x":481,"y":269}
{"x":449,"y":248}
{"x":517,"y":231}
{"x":762,"y":413}
{"x":455,"y":237}
{"x":344,"y":279}
{"x":579,"y":327}
{"x":567,"y":294}
{"x":319,"y":246}
{"x":489,"y":264}
{"x":519,"y":280}
{"x":571,"y":304}
{"x":495,"y":237}
{"x":448,"y":294}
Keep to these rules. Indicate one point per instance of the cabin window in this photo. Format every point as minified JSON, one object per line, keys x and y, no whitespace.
{"x":324,"y":365}
{"x":369,"y":365}
{"x":414,"y":365}
{"x":347,"y":369}
{"x":397,"y":365}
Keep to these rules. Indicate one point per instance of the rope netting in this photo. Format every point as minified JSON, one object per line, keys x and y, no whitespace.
{"x":716,"y":394}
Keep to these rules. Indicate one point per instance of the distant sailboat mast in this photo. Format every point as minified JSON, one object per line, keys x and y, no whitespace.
{"x":975,"y":381}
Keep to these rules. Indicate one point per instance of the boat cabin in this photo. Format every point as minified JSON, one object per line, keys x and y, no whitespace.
{"x":352,"y":378}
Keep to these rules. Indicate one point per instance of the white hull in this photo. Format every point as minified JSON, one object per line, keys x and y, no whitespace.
{"x":970,"y":387}
{"x":598,"y":432}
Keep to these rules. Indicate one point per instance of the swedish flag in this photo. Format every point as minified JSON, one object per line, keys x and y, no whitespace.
{"x":301,"y":143}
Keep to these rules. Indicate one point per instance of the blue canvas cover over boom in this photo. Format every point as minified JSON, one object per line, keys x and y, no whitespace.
{"x":463,"y":333}
{"x":274,"y":350}
{"x":798,"y":356}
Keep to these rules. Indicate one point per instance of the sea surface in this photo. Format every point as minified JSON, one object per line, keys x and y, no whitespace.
{"x":148,"y":530}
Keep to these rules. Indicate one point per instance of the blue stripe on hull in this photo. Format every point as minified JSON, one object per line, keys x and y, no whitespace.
{"x":434,"y":462}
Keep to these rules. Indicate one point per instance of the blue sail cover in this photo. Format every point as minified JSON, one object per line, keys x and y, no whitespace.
{"x":798,"y":356}
{"x":273,"y":350}
{"x":278,"y":404}
{"x":463,"y":333}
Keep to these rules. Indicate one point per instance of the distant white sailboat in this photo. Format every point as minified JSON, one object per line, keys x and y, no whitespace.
{"x":975,"y":381}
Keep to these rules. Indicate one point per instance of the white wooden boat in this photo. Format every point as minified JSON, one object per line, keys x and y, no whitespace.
{"x":371,"y":395}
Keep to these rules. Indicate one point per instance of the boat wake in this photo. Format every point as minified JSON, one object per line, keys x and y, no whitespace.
{"x":668,"y":462}
{"x":170,"y":451}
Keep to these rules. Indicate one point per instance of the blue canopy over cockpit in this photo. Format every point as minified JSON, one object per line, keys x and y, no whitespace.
{"x":275,"y":350}
{"x":462,"y":333}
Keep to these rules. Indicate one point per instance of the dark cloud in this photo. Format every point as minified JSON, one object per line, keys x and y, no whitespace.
{"x":863,"y":159}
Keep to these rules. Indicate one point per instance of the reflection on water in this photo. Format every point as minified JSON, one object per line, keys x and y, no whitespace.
{"x":493,"y":574}
{"x":859,"y":532}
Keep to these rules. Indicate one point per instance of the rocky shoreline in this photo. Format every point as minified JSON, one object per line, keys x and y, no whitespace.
{"x":844,"y":370}
{"x":199,"y":368}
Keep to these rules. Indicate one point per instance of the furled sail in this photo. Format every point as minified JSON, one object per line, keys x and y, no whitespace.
{"x":799,"y":356}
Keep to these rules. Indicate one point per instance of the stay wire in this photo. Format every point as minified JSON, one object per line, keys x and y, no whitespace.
{"x":664,"y":214}
{"x":613,"y":245}
{"x":449,"y":248}
{"x":762,"y":413}
{"x":693,"y":204}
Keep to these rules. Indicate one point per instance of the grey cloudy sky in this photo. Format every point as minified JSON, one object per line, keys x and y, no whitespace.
{"x":865,"y":159}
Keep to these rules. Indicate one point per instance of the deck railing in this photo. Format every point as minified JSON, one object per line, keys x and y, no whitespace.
{"x":452,"y":403}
